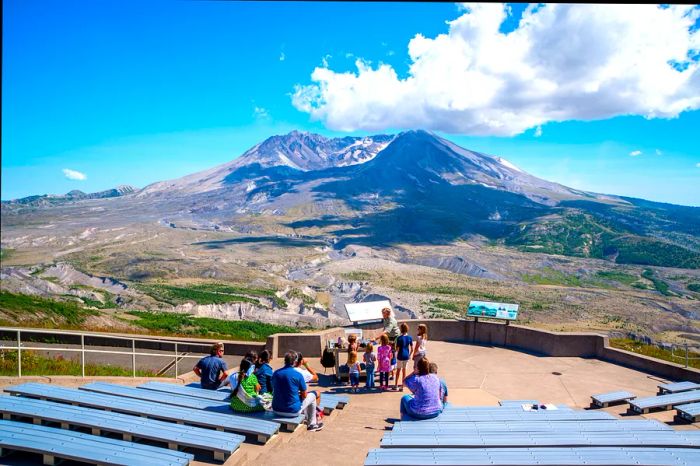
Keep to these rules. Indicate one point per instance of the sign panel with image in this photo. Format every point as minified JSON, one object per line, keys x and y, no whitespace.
{"x":493,"y":310}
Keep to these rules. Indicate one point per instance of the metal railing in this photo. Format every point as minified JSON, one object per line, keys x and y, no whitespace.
{"x":19,"y":347}
{"x":678,"y":352}
{"x":686,"y":355}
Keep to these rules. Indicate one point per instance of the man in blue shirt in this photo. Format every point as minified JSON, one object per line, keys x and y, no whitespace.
{"x":290,"y":397}
{"x":212,"y":369}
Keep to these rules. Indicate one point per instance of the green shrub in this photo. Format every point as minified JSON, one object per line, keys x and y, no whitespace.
{"x":35,"y":364}
{"x":660,"y":285}
{"x":19,"y":305}
{"x":183,"y":324}
{"x":656,"y":352}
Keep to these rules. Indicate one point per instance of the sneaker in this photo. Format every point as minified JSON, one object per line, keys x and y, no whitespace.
{"x":315,"y":427}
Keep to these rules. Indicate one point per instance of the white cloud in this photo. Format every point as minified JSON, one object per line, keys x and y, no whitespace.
{"x":562,"y":62}
{"x":282,"y":56}
{"x":538,"y":131}
{"x":260,"y":113}
{"x":74,"y":174}
{"x":636,"y":153}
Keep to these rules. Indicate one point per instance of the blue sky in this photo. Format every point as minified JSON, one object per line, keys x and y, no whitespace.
{"x":133,"y":92}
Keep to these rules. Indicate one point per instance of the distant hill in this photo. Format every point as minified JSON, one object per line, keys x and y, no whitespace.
{"x":46,"y":200}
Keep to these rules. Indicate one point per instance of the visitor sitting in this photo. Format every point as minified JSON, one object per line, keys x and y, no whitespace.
{"x":291,"y":398}
{"x":232,"y":379}
{"x":245,"y":396}
{"x":310,"y":375}
{"x":263,"y":372}
{"x":425,"y":402}
{"x":212,"y":369}
{"x":443,"y":386}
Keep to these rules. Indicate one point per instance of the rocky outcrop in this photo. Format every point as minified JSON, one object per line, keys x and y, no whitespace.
{"x":307,"y":316}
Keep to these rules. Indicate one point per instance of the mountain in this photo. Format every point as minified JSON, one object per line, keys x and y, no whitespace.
{"x":46,"y":200}
{"x":415,"y":188}
{"x":296,"y":151}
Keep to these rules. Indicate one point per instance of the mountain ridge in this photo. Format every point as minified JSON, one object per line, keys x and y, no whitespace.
{"x":417,"y":188}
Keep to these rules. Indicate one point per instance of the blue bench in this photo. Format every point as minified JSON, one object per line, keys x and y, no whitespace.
{"x":499,"y":409}
{"x":527,"y":426}
{"x":477,"y":439}
{"x":533,"y":456}
{"x":221,"y":444}
{"x":188,"y":390}
{"x":540,"y":416}
{"x":604,"y":400}
{"x":186,"y":401}
{"x":507,"y":403}
{"x":677,"y":387}
{"x":53,"y":443}
{"x":261,"y":429}
{"x":328,"y":401}
{"x":689,"y":412}
{"x":665,"y":402}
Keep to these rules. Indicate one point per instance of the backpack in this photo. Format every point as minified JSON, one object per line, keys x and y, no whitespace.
{"x":328,"y":358}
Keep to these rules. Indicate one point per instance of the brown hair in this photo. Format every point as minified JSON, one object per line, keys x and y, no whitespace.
{"x":433,"y":368}
{"x":369,"y":348}
{"x":423,"y":366}
{"x":352,"y":338}
{"x":423,"y":330}
{"x":215,"y":348}
{"x":404,"y":327}
{"x":352,"y":357}
{"x":384,"y":339}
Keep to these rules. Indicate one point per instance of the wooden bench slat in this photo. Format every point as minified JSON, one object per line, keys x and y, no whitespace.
{"x":534,"y":456}
{"x":187,"y":436}
{"x":229,"y":422}
{"x":643,"y":405}
{"x":75,"y":445}
{"x":495,"y":428}
{"x":541,"y":439}
{"x":677,"y":387}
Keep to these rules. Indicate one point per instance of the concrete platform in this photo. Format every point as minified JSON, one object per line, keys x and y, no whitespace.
{"x":475,"y":375}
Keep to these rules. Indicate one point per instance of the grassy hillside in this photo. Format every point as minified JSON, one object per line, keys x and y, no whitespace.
{"x":41,"y":312}
{"x":186,"y":325}
{"x":574,"y":232}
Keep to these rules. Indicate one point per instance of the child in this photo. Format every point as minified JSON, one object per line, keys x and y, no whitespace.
{"x":263,"y":372}
{"x":433,"y":369}
{"x":370,"y":363}
{"x":352,"y":343}
{"x":419,"y":350}
{"x":404,"y":349}
{"x":354,"y":367}
{"x":384,"y":359}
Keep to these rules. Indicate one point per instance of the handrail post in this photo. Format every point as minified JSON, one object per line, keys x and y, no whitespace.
{"x":82,"y":353}
{"x":176,"y":354}
{"x":686,"y":355}
{"x":19,"y":354}
{"x":133,"y":356}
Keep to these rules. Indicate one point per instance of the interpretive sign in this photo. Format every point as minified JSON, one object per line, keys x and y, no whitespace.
{"x":494,"y":310}
{"x":366,"y":312}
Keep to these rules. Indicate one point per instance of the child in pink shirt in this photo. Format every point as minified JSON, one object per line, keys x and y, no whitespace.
{"x":384,"y":360}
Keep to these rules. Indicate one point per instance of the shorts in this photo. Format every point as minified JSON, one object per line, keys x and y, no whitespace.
{"x":401,"y":364}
